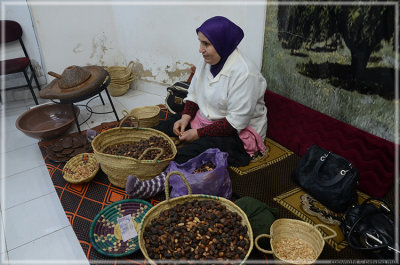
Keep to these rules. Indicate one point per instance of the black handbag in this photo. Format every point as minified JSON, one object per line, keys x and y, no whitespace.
{"x":176,"y":93}
{"x":370,"y":228}
{"x":328,"y":177}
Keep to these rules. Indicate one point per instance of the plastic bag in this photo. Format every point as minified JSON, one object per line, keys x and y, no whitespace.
{"x":216,"y":182}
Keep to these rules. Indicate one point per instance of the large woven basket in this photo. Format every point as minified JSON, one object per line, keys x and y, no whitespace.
{"x":144,"y":117}
{"x":118,"y":168}
{"x":170,"y":203}
{"x":121,"y":78}
{"x":295,"y":229}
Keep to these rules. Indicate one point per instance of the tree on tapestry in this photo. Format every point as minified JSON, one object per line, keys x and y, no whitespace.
{"x":363,"y":29}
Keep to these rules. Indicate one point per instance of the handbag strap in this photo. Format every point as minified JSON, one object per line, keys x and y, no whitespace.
{"x":364,"y":215}
{"x":338,"y":177}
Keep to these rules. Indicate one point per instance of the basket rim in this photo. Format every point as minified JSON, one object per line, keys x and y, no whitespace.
{"x":155,"y":209}
{"x":73,"y":159}
{"x":96,"y":139}
{"x":96,"y":218}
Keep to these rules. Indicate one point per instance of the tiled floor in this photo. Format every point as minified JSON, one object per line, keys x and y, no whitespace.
{"x":33,"y":226}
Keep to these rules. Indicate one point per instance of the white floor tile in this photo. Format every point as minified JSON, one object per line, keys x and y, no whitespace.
{"x":60,"y":247}
{"x":26,"y":186}
{"x":22,"y":159}
{"x":3,"y":246}
{"x":34,"y":219}
{"x":16,"y":139}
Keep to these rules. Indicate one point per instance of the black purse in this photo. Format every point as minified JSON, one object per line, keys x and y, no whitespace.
{"x":176,"y":93}
{"x":328,"y":177}
{"x":370,"y":228}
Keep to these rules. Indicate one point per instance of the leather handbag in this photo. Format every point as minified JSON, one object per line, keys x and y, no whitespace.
{"x":370,"y":228}
{"x":328,"y":177}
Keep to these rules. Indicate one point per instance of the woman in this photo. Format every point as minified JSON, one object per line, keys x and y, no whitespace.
{"x":224,"y":107}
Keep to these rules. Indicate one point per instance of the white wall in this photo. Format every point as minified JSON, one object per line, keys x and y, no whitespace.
{"x":158,"y":36}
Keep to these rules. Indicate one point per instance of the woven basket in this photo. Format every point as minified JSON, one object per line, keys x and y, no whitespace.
{"x":118,"y":168}
{"x":105,"y":233}
{"x":295,"y":229}
{"x":170,"y":203}
{"x":80,"y":160}
{"x":144,"y":117}
{"x":121,"y":78}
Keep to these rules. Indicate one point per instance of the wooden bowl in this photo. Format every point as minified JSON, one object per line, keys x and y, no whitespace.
{"x":47,"y":121}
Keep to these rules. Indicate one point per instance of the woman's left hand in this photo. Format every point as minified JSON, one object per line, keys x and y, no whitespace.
{"x":189,"y":136}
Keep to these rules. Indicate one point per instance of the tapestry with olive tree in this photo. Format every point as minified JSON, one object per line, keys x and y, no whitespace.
{"x":337,"y":58}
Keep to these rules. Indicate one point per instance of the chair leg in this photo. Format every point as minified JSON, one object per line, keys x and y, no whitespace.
{"x":31,"y":88}
{"x":34,"y":76}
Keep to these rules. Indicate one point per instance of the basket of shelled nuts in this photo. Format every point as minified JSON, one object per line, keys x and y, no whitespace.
{"x":195,"y":228}
{"x":81,"y":168}
{"x":123,"y":151}
{"x":294,"y":241}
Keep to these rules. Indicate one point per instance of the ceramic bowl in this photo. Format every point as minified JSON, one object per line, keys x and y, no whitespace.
{"x":47,"y":121}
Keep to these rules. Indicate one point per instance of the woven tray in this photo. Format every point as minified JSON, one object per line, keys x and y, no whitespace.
{"x":78,"y":161}
{"x":170,"y":203}
{"x":105,"y":235}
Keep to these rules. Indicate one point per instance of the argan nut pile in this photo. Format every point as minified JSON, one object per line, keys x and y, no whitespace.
{"x":204,"y":168}
{"x":136,"y":149}
{"x":201,"y":230}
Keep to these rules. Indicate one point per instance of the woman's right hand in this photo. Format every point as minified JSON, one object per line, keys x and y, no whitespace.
{"x":180,"y":125}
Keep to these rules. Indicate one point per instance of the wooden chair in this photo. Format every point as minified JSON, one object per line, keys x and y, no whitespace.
{"x":13,"y":32}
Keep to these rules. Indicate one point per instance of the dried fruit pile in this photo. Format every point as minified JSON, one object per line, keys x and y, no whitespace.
{"x":136,"y":149}
{"x":204,"y":168}
{"x":197,"y":230}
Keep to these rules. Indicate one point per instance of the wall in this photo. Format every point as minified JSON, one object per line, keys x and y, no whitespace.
{"x":159,"y":37}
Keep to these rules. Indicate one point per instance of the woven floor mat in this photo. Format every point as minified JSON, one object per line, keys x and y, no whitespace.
{"x":276,"y":153}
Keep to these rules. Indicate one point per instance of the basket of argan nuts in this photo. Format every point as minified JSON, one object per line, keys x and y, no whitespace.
{"x":81,"y":168}
{"x":294,"y":241}
{"x":201,"y":228}
{"x":124,"y":151}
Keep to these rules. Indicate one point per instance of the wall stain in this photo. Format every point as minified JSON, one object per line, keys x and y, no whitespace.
{"x":140,"y":72}
{"x":77,"y":48}
{"x":177,"y":73}
{"x":99,"y":48}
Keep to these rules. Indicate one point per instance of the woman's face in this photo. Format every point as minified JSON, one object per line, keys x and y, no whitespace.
{"x":208,"y":51}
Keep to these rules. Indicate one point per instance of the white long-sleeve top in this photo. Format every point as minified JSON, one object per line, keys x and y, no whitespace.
{"x":235,"y":93}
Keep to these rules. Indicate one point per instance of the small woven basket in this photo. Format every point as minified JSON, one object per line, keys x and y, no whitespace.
{"x":121,"y":78}
{"x":170,"y":203}
{"x":77,"y":163}
{"x":146,"y":117}
{"x":118,"y":168}
{"x":105,"y":233}
{"x":295,"y":229}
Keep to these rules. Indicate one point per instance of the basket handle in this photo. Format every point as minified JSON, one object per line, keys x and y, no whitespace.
{"x":184,"y":181}
{"x":334,"y":234}
{"x":132,"y":64}
{"x":152,"y":148}
{"x":260,"y":248}
{"x":124,"y":112}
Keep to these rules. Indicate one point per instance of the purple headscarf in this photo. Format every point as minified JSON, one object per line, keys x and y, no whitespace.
{"x":224,"y":35}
